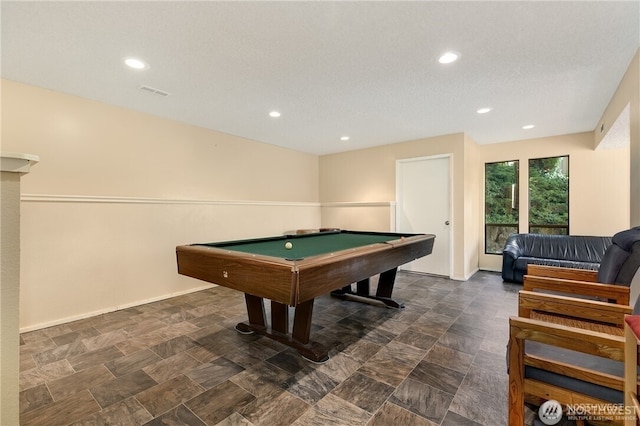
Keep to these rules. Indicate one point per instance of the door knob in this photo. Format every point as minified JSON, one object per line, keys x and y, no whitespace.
{"x":446,"y":222}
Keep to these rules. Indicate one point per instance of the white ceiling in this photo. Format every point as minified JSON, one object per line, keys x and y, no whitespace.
{"x":368,"y":70}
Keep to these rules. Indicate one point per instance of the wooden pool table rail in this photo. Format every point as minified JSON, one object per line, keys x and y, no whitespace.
{"x":295,"y":281}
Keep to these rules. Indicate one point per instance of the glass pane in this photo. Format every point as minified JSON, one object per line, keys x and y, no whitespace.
{"x":549,"y":195}
{"x":501,"y":204}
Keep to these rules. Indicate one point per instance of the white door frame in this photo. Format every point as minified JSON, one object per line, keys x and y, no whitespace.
{"x":451,"y":212}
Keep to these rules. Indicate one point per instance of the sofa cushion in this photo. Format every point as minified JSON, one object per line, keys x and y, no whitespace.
{"x":523,"y":261}
{"x":565,"y":247}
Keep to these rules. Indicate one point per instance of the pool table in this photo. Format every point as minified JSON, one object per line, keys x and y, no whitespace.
{"x":314,"y":265}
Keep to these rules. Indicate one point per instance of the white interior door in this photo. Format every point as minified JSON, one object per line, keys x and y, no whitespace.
{"x":423,"y":195}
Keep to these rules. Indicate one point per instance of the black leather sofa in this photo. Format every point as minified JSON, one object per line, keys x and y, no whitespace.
{"x":569,"y":251}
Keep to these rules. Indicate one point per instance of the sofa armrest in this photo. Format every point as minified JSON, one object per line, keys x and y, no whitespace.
{"x":564,"y":273}
{"x":510,"y":253}
{"x":512,"y":248}
{"x":617,"y":293}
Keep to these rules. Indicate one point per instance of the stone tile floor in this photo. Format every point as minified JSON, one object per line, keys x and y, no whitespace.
{"x":438,"y":361}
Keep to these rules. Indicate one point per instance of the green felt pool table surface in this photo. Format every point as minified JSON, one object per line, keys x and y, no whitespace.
{"x":306,"y":245}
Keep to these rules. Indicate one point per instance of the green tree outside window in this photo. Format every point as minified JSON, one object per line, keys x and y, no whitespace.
{"x":549,"y":195}
{"x":501,"y":204}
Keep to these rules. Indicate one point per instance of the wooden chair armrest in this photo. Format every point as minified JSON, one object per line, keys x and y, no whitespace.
{"x":564,"y":273}
{"x":618,"y":293}
{"x":580,"y":309}
{"x":572,"y":338}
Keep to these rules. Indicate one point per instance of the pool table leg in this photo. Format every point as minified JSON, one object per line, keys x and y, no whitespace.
{"x":383,"y":293}
{"x":313,"y":351}
{"x":302,"y":322}
{"x":279,"y":317}
{"x":279,"y":331}
{"x":341,"y":292}
{"x":385,"y":288}
{"x":255,"y":311}
{"x":362,"y":287}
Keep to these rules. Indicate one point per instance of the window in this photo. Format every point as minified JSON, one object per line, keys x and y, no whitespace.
{"x":501,"y":204}
{"x":549,"y":195}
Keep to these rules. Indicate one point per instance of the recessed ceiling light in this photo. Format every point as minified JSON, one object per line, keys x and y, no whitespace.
{"x":344,"y":138}
{"x":136,"y":63}
{"x":449,"y":57}
{"x":274,"y":114}
{"x":484,"y":110}
{"x":528,"y":126}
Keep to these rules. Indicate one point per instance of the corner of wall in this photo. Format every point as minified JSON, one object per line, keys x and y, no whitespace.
{"x":627,"y":92}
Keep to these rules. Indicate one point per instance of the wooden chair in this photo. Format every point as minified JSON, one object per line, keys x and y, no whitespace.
{"x":567,"y":342}
{"x":631,"y":335}
{"x":580,"y":362}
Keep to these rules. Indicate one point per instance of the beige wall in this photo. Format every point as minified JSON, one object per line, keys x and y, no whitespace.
{"x":598,"y":184}
{"x":368,"y":175}
{"x":117,"y":190}
{"x":472,"y":208}
{"x":89,"y":148}
{"x":628,"y":93}
{"x":359,"y":216}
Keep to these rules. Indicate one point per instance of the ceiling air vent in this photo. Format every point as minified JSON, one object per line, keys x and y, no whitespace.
{"x":154,"y":90}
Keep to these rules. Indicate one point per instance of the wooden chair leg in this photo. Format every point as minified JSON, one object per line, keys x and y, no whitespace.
{"x":516,"y":380}
{"x":630,"y":375}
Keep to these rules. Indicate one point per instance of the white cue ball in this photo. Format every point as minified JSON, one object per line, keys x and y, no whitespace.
{"x":288,"y":245}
